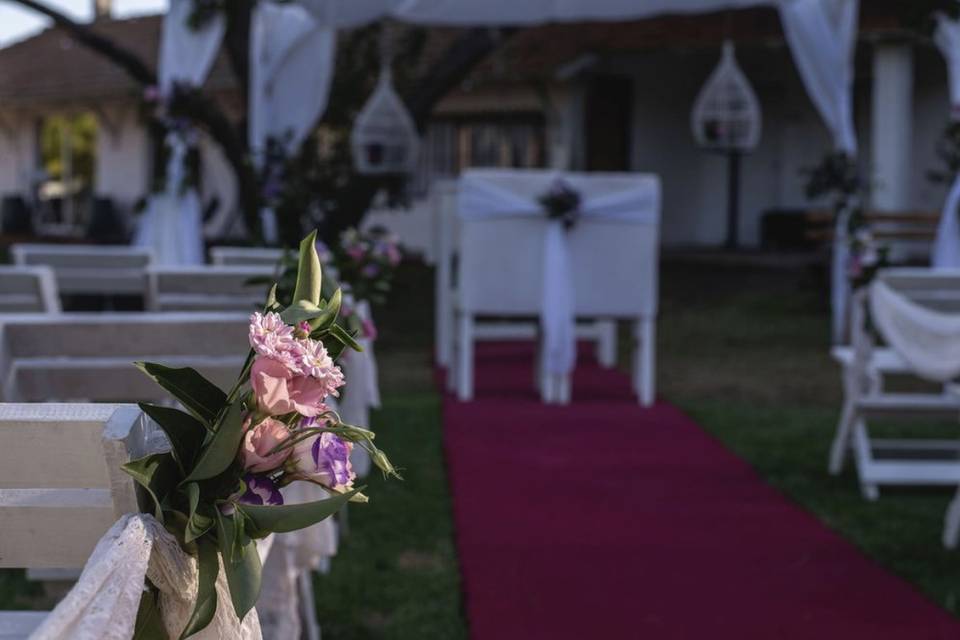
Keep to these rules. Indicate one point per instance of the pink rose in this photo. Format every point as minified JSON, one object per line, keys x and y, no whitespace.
{"x":279,"y":391}
{"x":258,"y":443}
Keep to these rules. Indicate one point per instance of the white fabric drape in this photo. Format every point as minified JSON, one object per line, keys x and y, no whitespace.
{"x":822,"y":35}
{"x":928,"y":340}
{"x":946,"y":246}
{"x":172,"y":224}
{"x":362,"y":392}
{"x":103,"y":604}
{"x":491,"y":194}
{"x":291,"y":67}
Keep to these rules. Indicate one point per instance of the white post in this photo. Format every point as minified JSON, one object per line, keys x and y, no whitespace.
{"x":892,"y":127}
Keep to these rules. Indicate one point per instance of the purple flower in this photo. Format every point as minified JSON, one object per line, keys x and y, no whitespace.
{"x":325,"y":458}
{"x":260,"y":491}
{"x":371,"y":270}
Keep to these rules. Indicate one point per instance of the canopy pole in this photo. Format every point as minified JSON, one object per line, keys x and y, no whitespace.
{"x":733,"y":200}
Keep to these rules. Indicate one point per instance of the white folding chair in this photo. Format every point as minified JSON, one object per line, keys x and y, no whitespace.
{"x":245,"y":256}
{"x":216,"y":288}
{"x":90,"y":269}
{"x":867,"y":397}
{"x":28,"y":289}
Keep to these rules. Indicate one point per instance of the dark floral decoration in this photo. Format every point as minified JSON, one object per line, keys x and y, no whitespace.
{"x":562,"y":203}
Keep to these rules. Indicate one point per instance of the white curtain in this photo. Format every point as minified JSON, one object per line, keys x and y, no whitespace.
{"x":291,"y":67}
{"x":493,"y":193}
{"x":946,"y":247}
{"x":172,"y":224}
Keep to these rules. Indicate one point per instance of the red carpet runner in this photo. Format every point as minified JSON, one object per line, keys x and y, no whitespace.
{"x":602,"y":521}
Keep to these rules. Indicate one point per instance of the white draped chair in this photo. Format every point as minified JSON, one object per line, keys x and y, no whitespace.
{"x":208,"y":288}
{"x":446,"y":226}
{"x":916,"y":313}
{"x":28,"y":289}
{"x":362,"y":391}
{"x":516,"y":263}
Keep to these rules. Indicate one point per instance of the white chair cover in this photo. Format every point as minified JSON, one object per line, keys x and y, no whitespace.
{"x":103,"y":604}
{"x":363,"y":389}
{"x":928,"y":340}
{"x":946,"y":246}
{"x":495,"y":193}
{"x":172,"y":224}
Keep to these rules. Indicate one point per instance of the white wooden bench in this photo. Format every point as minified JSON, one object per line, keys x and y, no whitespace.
{"x":28,"y":289}
{"x":90,"y":269}
{"x":89,"y":356}
{"x":867,"y":397}
{"x":245,"y":256}
{"x":217,"y":288}
{"x":58,"y":499}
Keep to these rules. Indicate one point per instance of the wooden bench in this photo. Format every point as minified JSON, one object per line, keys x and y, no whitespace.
{"x":90,"y":269}
{"x":217,"y":288}
{"x":28,"y":289}
{"x":87,"y":356}
{"x":58,"y":499}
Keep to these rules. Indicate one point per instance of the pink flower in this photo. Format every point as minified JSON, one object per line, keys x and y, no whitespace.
{"x":280,"y":391}
{"x":369,"y":329}
{"x":270,"y":336}
{"x":317,"y":363}
{"x":258,"y":443}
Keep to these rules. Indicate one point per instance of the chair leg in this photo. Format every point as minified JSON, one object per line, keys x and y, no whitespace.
{"x":563,"y":389}
{"x":864,"y":456}
{"x":841,"y":441}
{"x":645,"y":361}
{"x":951,"y":525}
{"x":465,"y":357}
{"x":606,"y":343}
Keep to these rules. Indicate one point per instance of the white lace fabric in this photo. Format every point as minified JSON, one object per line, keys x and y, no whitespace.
{"x":928,"y":340}
{"x":103,"y":604}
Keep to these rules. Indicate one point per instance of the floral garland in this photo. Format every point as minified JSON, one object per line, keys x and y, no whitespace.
{"x":157,"y":108}
{"x":218,"y":488}
{"x":562,"y":203}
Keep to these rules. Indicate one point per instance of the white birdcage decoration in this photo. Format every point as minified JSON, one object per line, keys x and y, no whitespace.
{"x":726,"y":115}
{"x":384,"y":138}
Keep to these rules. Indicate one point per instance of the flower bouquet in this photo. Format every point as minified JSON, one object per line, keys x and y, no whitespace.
{"x":368,"y":261}
{"x":217,"y":490}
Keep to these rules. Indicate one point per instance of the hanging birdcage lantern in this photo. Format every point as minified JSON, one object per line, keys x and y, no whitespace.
{"x":726,"y":118}
{"x":726,"y":115}
{"x":384,"y":138}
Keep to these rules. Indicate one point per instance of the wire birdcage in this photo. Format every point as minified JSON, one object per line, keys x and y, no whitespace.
{"x":384,"y":139}
{"x":726,"y":115}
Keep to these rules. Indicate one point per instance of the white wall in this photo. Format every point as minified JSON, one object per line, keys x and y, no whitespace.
{"x":123,"y":155}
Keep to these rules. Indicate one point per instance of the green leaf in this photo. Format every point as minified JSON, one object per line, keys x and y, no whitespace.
{"x":241,"y":563}
{"x":343,"y":336}
{"x":206,"y":606}
{"x":201,"y":397}
{"x":271,"y":297}
{"x":157,"y":473}
{"x":293,"y":517}
{"x":301,"y":310}
{"x":309,"y":275}
{"x":149,"y":625}
{"x":330,"y":312}
{"x":199,"y":523}
{"x":223,"y":447}
{"x":185,"y":432}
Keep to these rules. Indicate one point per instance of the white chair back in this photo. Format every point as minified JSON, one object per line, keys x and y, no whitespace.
{"x":28,"y":289}
{"x":935,"y":288}
{"x":217,"y":288}
{"x":83,"y":356}
{"x":90,"y":269}
{"x":245,"y":256}
{"x":61,"y":486}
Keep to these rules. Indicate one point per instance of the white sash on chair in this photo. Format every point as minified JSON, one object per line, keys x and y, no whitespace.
{"x":486,"y":194}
